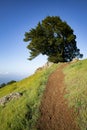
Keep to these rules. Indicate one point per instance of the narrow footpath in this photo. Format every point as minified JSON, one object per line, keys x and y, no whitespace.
{"x":55,"y":113}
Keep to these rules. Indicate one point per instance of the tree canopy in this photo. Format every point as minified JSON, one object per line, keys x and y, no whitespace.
{"x":54,"y":38}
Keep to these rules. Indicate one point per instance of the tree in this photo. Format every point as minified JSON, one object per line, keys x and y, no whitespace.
{"x":54,"y":38}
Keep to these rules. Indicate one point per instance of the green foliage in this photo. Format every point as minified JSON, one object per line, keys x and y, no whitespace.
{"x":22,"y":114}
{"x":54,"y":38}
{"x":11,"y":82}
{"x":76,"y":82}
{"x":2,"y":85}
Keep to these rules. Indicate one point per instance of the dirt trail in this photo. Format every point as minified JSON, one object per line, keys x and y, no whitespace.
{"x":55,"y":114}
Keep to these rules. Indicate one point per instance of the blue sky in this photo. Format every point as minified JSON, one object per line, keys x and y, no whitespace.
{"x":19,"y":16}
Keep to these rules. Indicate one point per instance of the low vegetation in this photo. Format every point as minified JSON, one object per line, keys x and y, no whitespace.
{"x":76,"y":82}
{"x":22,"y":113}
{"x":4,"y":84}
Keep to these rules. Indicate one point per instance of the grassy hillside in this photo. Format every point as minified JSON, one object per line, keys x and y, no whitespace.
{"x":76,"y":83}
{"x":22,"y":113}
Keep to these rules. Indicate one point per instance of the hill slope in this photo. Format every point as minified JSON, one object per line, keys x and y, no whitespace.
{"x":76,"y":90}
{"x":55,"y":113}
{"x":63,"y":105}
{"x":22,"y":113}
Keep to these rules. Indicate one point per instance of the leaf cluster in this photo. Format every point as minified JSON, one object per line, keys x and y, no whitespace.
{"x":54,"y":38}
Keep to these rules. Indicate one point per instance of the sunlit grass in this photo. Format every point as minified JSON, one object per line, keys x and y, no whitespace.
{"x":22,"y":113}
{"x":76,"y":82}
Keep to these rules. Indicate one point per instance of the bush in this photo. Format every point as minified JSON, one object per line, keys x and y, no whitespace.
{"x":2,"y":85}
{"x":11,"y":82}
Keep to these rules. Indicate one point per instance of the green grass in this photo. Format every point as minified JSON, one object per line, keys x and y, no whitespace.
{"x":76,"y":83}
{"x":22,"y":113}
